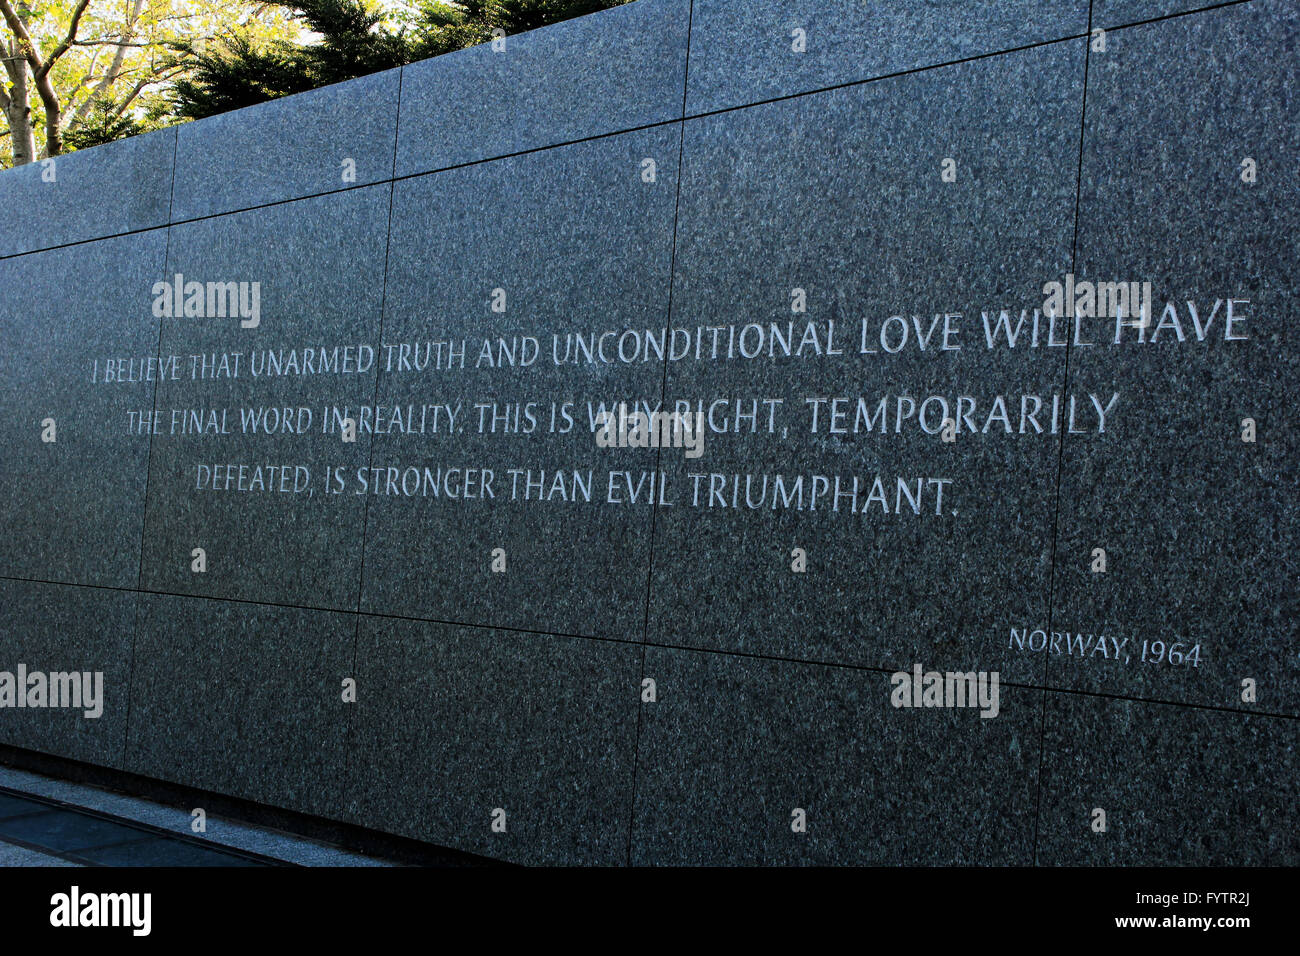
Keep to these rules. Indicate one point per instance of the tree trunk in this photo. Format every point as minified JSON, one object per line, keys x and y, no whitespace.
{"x":114,"y":70}
{"x":17,"y":110}
{"x":40,"y":70}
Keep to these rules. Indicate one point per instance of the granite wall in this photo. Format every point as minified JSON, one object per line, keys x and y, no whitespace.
{"x":828,"y":226}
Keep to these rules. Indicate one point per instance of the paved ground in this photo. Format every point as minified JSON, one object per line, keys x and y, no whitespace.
{"x":50,"y":822}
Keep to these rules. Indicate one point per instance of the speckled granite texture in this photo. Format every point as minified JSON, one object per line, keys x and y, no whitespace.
{"x":1203,"y":542}
{"x":475,"y":627}
{"x":320,"y":263}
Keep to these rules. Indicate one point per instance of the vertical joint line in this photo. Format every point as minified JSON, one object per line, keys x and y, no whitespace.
{"x":148,"y":464}
{"x":663,"y":392}
{"x":1060,"y":454}
{"x":370,"y":450}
